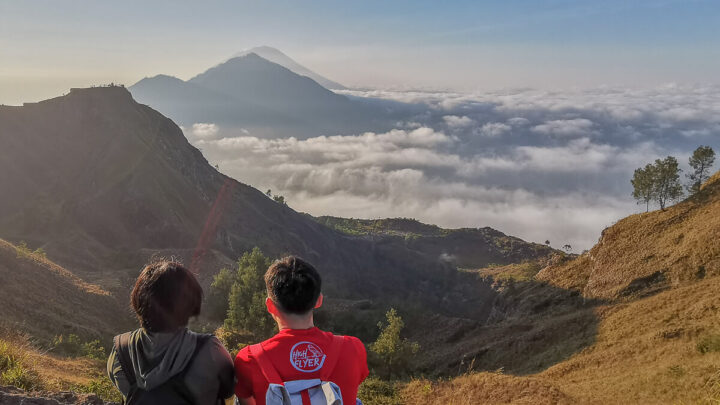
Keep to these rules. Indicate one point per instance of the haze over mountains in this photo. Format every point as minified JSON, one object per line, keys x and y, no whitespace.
{"x":275,"y":56}
{"x":103,"y":183}
{"x":251,"y":94}
{"x":502,"y":159}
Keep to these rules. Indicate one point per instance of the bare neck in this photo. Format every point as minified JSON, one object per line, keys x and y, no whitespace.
{"x":285,"y":321}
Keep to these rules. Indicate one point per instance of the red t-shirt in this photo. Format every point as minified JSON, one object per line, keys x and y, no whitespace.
{"x":298,"y":354}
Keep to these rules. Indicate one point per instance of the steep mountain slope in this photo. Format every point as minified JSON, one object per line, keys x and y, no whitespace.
{"x":654,"y":350}
{"x":252,"y":93}
{"x":633,"y":321}
{"x":198,"y":104}
{"x":275,"y":56}
{"x":43,"y":299}
{"x":103,"y":183}
{"x":268,"y":84}
{"x":647,"y":252}
{"x":468,"y":248}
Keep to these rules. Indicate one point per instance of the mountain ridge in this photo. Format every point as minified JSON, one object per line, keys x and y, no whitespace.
{"x":276,"y":56}
{"x":649,"y":252}
{"x":467,"y":248}
{"x":104,"y":183}
{"x":39,"y":297}
{"x":253,"y":94}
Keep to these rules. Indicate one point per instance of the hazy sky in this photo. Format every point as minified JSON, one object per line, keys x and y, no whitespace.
{"x":49,"y":46}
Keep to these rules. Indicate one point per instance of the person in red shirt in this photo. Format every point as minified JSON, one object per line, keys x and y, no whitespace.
{"x":299,"y":351}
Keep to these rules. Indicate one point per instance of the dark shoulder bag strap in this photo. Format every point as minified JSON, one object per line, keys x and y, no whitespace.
{"x":122,"y":351}
{"x":178,"y":381}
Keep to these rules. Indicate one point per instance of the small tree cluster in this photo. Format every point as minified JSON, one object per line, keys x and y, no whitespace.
{"x":277,"y":198}
{"x":244,"y":292}
{"x":393,"y":353}
{"x":659,"y":182}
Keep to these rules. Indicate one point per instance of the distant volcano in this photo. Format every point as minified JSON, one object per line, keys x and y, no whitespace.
{"x":275,"y":56}
{"x":255,"y":94}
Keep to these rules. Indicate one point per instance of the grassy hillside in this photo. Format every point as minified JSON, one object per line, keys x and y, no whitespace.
{"x":649,"y":351}
{"x":33,"y":370}
{"x":43,"y":299}
{"x":648,"y":252}
{"x":646,"y":332}
{"x":464,"y":247}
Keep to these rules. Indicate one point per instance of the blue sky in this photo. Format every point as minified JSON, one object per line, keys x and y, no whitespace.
{"x":47,"y":46}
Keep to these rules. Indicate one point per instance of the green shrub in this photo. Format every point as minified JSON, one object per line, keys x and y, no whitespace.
{"x":23,"y":251}
{"x":100,"y":386}
{"x":93,"y":350}
{"x":72,"y":346}
{"x":217,"y":300}
{"x":15,"y":370}
{"x":232,"y":339}
{"x":391,"y":353}
{"x":20,"y":376}
{"x":375,"y":391}
{"x":709,"y":343}
{"x":246,"y":302}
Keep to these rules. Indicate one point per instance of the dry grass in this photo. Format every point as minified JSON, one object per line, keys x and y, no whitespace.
{"x":649,"y":251}
{"x":645,"y":352}
{"x":524,"y":271}
{"x":41,"y":298}
{"x":656,"y":337}
{"x":485,"y":388}
{"x":44,"y":371}
{"x":42,"y":261}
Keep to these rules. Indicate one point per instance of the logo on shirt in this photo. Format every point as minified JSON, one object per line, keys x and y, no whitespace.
{"x":307,"y":357}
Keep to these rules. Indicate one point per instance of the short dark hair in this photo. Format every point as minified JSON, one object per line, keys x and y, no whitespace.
{"x":293,"y":285}
{"x":165,"y":296}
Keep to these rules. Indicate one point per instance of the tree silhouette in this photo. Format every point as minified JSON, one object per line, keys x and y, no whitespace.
{"x":700,"y":161}
{"x":643,"y":182}
{"x":658,"y":182}
{"x":667,"y":181}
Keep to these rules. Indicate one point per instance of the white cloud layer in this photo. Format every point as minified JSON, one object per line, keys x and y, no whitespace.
{"x":538,"y":165}
{"x":204,"y":131}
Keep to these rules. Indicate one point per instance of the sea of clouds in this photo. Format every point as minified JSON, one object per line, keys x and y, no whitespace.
{"x":534,"y":164}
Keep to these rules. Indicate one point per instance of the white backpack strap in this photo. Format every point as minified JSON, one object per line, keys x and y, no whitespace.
{"x":332,"y":393}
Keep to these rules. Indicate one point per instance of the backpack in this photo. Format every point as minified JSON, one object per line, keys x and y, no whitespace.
{"x":171,"y":392}
{"x":317,"y":391}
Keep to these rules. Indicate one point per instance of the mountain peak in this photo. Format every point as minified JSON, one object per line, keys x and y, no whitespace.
{"x":274,"y":55}
{"x":160,"y":77}
{"x":251,"y":56}
{"x":264,"y":49}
